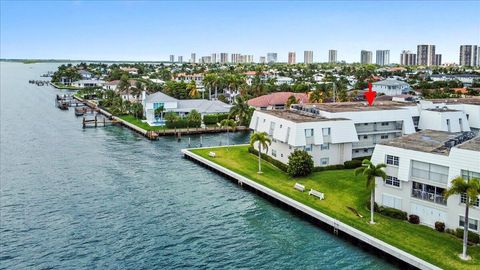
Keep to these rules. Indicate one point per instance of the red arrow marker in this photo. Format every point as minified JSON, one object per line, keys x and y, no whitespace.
{"x":370,"y":95}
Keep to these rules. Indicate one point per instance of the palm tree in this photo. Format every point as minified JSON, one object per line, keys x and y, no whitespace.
{"x":315,"y":96}
{"x":371,"y":172}
{"x":471,"y":189}
{"x":124,"y":85}
{"x":192,"y":89}
{"x":228,"y":123}
{"x":263,"y":142}
{"x":291,"y":100}
{"x":240,"y":110}
{"x":208,"y":81}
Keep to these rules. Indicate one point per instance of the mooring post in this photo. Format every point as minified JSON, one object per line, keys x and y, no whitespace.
{"x":83,"y":122}
{"x":189,"y":142}
{"x":95,"y":120}
{"x":201,"y":141}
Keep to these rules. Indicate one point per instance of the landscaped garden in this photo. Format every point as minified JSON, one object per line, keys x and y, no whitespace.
{"x":343,"y":190}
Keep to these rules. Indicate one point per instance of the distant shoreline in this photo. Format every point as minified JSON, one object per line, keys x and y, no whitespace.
{"x":35,"y":61}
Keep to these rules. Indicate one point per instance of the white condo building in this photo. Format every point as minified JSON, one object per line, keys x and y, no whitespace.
{"x":323,"y":129}
{"x":420,"y":167}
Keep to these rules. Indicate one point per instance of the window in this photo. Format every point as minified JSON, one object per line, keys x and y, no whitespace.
{"x":289,"y":147}
{"x":385,"y":123}
{"x":366,"y":124}
{"x":448,"y":125}
{"x":356,"y":151}
{"x":326,"y":131}
{"x":288,"y":135}
{"x":431,"y":172}
{"x":324,"y":161}
{"x":280,"y":126}
{"x":272,"y":128}
{"x":309,"y":147}
{"x":392,"y":181}
{"x":365,"y":150}
{"x":365,"y":136}
{"x":428,"y":193}
{"x":463,"y":199}
{"x":325,"y":146}
{"x":472,"y":223}
{"x":274,"y":152}
{"x":469,"y":175}
{"x":264,"y":120}
{"x":384,"y":137}
{"x":308,"y":133}
{"x":392,"y":160}
{"x":460,"y":123}
{"x":256,"y":124}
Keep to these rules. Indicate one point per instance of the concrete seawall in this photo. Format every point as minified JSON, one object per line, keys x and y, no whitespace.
{"x":339,"y":226}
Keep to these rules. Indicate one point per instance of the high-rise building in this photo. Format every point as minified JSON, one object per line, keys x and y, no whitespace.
{"x":262,"y":60}
{"x":172,"y":58}
{"x":469,"y":55}
{"x":332,"y":56}
{"x":180,"y":59}
{"x":271,"y":57}
{"x":365,"y":57}
{"x":249,"y":58}
{"x":426,"y":55}
{"x":224,"y":58}
{"x":292,"y":58}
{"x":214,"y":58}
{"x":438,"y":60}
{"x":383,"y":57}
{"x":193,"y":58}
{"x":408,"y":58}
{"x":308,"y":57}
{"x":206,"y":60}
{"x":235,"y":57}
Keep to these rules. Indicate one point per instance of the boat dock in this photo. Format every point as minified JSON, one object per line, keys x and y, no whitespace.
{"x":337,"y":227}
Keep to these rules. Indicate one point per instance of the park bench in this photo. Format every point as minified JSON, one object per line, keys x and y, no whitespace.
{"x":318,"y":194}
{"x":300,"y":187}
{"x":212,"y":154}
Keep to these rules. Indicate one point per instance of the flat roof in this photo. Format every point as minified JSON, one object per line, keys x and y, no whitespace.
{"x":473,"y":144}
{"x":442,"y":110}
{"x":470,"y":100}
{"x":358,"y":106}
{"x":429,"y":141}
{"x":298,"y":117}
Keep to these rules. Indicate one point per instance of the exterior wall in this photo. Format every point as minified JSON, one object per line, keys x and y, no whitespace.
{"x":428,"y":211}
{"x":450,"y":121}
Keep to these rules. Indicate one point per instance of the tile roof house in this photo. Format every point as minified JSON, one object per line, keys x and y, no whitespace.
{"x":276,"y":101}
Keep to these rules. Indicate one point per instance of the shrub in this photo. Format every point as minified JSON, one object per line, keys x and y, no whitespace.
{"x":472,"y":237}
{"x":352,"y":164}
{"x":440,"y":226}
{"x":414,"y":219}
{"x":274,"y":162}
{"x":212,"y":119}
{"x":394,"y":213}
{"x":376,"y":208}
{"x":300,"y":163}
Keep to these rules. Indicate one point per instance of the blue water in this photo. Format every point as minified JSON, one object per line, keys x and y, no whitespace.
{"x":107,"y":198}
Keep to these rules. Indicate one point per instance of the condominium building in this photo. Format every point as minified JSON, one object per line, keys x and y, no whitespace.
{"x":308,"y":57}
{"x":438,"y":59}
{"x":271,"y":57}
{"x":262,"y":60}
{"x":365,"y":57}
{"x":332,"y":56}
{"x":292,"y":58}
{"x":193,"y":58}
{"x":172,"y":58}
{"x":235,"y":57}
{"x":469,"y":55}
{"x":224,"y":58}
{"x":426,"y":55}
{"x":180,"y":59}
{"x":407,"y":58}
{"x":420,"y":168}
{"x":383,"y":57}
{"x":335,"y":132}
{"x":206,"y":60}
{"x":214,"y":58}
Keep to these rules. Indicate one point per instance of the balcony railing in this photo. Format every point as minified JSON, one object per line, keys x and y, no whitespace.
{"x":428,"y":196}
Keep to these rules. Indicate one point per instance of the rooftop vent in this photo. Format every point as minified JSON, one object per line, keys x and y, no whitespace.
{"x":465,"y":136}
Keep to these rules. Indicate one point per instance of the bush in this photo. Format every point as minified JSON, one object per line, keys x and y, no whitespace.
{"x":472,"y":237}
{"x":300,"y":163}
{"x":376,"y":208}
{"x":212,"y":119}
{"x":352,"y":164}
{"x":440,"y":226}
{"x":394,"y":213}
{"x":414,"y":219}
{"x":276,"y":163}
{"x":329,"y":168}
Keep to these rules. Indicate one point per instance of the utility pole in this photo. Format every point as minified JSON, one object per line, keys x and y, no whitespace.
{"x":334,"y":92}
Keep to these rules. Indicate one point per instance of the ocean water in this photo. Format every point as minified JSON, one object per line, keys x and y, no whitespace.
{"x":107,"y":198}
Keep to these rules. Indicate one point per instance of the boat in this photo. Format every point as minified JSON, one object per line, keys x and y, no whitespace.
{"x":62,"y":105}
{"x":80,"y":111}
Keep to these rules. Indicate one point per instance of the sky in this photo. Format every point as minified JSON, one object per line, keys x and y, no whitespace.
{"x":152,"y":30}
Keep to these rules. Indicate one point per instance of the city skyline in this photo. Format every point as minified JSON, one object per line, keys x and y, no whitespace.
{"x":155,"y":38}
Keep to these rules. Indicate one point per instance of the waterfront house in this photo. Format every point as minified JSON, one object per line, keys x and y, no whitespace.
{"x":181,"y":107}
{"x":88,"y":83}
{"x":276,"y":101}
{"x":86,"y":75}
{"x":419,"y":169}
{"x":391,"y":87}
{"x":130,"y":70}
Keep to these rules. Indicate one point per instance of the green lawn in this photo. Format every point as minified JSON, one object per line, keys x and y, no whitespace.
{"x":133,"y":120}
{"x":342,"y":189}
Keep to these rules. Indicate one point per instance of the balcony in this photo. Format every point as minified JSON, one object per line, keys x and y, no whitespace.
{"x":429,"y":196}
{"x":363,"y":144}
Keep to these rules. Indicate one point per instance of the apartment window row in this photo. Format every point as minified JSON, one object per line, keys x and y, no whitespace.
{"x":467,"y":175}
{"x":325,"y":146}
{"x":309,"y":133}
{"x":429,"y":171}
{"x":309,"y":147}
{"x":463,"y":199}
{"x":472,"y":223}
{"x":324,"y":161}
{"x":326,"y":131}
{"x":393,"y":160}
{"x":392,"y":181}
{"x":428,"y":193}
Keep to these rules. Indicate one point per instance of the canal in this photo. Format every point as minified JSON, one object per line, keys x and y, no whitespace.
{"x":107,"y":198}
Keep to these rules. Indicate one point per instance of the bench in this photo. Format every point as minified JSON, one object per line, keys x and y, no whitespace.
{"x":212,"y":154}
{"x":318,"y":194}
{"x":300,"y":187}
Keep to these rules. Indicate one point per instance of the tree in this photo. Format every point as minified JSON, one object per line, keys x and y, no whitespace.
{"x":371,"y":172}
{"x":194,"y":118}
{"x":300,"y":163}
{"x":471,"y":189}
{"x":192,"y":89}
{"x":291,"y":100}
{"x":124,"y":85}
{"x":228,"y":123}
{"x":137,"y":110}
{"x":263,"y":141}
{"x":240,"y":110}
{"x":315,"y":96}
{"x":159,"y":112}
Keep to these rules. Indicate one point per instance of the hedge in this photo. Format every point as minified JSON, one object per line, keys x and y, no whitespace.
{"x":472,"y":237}
{"x":394,"y":213}
{"x":182,"y":123}
{"x":211,"y":119}
{"x":282,"y":166}
{"x":352,"y":164}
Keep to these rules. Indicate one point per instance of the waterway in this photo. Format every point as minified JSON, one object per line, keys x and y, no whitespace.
{"x":107,"y":198}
